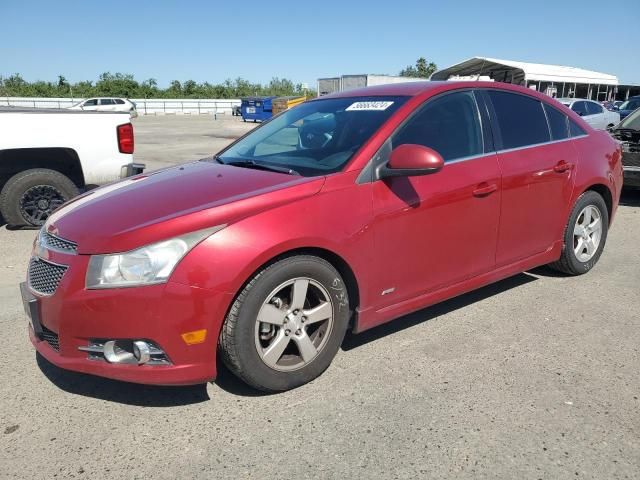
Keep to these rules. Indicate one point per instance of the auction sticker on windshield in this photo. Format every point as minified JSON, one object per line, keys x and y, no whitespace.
{"x":359,"y":106}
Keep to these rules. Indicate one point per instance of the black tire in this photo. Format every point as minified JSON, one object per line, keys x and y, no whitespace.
{"x":19,"y":193}
{"x":237,"y":339}
{"x":569,"y":262}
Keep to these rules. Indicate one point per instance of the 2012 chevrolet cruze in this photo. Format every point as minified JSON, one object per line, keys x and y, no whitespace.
{"x":344,"y":212}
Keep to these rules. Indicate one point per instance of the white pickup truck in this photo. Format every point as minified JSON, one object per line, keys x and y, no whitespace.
{"x":49,"y":156}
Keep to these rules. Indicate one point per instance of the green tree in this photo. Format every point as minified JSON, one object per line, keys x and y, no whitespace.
{"x":125,"y":85}
{"x":422,"y":69}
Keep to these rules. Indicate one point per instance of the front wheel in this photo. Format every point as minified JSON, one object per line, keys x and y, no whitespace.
{"x":585,"y":235}
{"x":287,"y":324}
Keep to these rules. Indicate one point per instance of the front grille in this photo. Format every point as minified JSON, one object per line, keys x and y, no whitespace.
{"x":56,"y":243}
{"x":44,"y":277}
{"x":51,"y":338}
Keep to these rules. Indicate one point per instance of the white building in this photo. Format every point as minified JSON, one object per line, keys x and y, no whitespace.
{"x":554,"y":80}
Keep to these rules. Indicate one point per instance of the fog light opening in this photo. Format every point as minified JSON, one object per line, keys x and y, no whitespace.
{"x":133,"y":352}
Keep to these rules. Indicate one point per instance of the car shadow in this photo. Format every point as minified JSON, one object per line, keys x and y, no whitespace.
{"x":121,"y":392}
{"x":387,"y":329}
{"x":157,"y":396}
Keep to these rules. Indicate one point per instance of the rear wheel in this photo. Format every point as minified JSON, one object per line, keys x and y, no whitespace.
{"x":287,"y":324}
{"x":29,"y":197}
{"x":585,"y":235}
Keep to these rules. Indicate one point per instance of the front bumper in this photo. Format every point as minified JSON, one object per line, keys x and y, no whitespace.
{"x":74,"y":316}
{"x":131,"y":169}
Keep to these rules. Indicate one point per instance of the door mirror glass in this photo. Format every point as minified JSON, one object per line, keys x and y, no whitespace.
{"x":410,"y":160}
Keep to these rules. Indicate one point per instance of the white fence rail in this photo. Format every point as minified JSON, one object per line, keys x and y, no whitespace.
{"x":145,"y":106}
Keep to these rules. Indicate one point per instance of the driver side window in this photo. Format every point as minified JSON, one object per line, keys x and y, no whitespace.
{"x":449,"y":124}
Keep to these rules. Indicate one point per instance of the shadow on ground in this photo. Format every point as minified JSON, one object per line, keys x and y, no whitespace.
{"x":121,"y":392}
{"x":630,"y":197}
{"x":154,"y":396}
{"x":354,"y":341}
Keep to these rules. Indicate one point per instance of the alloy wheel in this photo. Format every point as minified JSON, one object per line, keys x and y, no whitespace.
{"x":587,"y":233}
{"x":294,"y":324}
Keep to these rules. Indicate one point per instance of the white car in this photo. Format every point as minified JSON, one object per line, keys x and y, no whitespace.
{"x":592,"y":112}
{"x":107,"y":104}
{"x":49,"y":156}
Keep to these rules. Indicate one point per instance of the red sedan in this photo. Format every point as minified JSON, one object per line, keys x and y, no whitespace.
{"x":343,"y":213}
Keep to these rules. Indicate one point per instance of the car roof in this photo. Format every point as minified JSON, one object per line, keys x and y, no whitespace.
{"x":571,"y":100}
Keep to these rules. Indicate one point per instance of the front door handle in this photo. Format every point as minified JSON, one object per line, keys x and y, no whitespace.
{"x":562,"y":167}
{"x":485,"y":189}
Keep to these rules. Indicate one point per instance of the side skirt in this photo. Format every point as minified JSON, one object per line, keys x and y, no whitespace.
{"x":370,"y":318}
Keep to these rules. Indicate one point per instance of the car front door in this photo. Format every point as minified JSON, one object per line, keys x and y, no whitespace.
{"x":91,"y":104}
{"x":436,"y":230}
{"x":106,"y":105}
{"x":538,"y":172}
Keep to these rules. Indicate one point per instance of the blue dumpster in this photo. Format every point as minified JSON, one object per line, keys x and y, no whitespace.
{"x":256,"y":108}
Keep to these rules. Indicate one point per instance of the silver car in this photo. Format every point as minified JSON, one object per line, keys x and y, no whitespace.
{"x":593,"y":113}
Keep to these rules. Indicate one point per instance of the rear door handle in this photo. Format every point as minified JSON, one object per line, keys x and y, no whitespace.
{"x":485,"y":189}
{"x":562,"y":167}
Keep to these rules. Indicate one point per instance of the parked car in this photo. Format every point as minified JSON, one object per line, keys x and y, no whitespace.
{"x":628,"y":133}
{"x":344,"y":212}
{"x":592,"y":112}
{"x":611,"y":106}
{"x":107,"y":104}
{"x":48,"y":156}
{"x":633,"y":103}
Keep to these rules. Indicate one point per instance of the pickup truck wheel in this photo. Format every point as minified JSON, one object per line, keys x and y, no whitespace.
{"x":584,"y":236}
{"x":29,"y":197}
{"x":287,"y":324}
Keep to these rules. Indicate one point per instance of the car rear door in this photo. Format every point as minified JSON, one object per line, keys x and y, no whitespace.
{"x":538,"y":162}
{"x":596,"y":116}
{"x":435,"y":230}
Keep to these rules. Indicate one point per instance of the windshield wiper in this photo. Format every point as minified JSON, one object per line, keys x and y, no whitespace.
{"x":258,"y":166}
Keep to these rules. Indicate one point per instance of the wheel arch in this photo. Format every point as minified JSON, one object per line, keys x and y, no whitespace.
{"x":605,"y":192}
{"x":62,"y":160}
{"x":337,"y":261}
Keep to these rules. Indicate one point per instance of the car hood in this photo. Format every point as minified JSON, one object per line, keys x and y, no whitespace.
{"x":170,"y":202}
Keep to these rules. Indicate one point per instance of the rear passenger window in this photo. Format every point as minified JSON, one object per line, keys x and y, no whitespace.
{"x":449,"y":124}
{"x":521,"y":119}
{"x":593,"y":108}
{"x":575,"y":129}
{"x":557,"y":123}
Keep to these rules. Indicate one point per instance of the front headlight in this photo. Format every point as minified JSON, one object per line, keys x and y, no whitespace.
{"x":144,"y":266}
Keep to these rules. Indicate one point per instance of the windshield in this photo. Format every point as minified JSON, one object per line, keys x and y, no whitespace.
{"x":631,"y":121}
{"x":314,"y":138}
{"x":630,"y":105}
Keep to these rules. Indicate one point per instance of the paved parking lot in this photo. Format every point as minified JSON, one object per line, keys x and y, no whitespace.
{"x":533,"y":377}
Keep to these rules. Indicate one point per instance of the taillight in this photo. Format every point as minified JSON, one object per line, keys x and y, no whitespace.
{"x":125,"y":138}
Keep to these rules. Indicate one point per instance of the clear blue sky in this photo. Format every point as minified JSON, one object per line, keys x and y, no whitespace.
{"x":214,"y":40}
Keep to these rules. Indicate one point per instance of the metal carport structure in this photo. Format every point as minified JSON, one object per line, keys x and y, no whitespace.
{"x":555,"y":80}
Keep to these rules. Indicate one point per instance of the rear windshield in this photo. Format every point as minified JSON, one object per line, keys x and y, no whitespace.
{"x":315,"y":138}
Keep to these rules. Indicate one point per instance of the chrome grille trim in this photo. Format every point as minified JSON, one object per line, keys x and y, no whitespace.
{"x":52,"y":242}
{"x":44,"y":277}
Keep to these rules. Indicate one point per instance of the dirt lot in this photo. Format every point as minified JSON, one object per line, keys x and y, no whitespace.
{"x":533,"y":377}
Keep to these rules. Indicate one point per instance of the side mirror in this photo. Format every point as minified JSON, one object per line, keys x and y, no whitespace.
{"x":411,"y":160}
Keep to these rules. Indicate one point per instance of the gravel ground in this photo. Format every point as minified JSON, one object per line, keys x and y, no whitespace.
{"x":533,"y":377}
